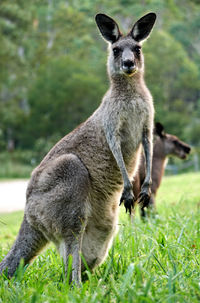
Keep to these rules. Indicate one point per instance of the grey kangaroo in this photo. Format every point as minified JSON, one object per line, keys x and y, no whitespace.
{"x":73,"y":195}
{"x":165,"y":145}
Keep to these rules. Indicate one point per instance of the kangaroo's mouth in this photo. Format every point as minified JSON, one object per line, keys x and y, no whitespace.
{"x":129,"y":71}
{"x":184,"y":153}
{"x":183,"y":156}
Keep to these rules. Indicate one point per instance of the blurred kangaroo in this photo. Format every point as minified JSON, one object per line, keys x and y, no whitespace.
{"x":164,"y":145}
{"x":73,"y":195}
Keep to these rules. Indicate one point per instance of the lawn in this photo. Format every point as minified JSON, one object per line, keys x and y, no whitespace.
{"x":154,"y":261}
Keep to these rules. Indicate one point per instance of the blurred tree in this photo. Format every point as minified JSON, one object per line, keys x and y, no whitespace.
{"x":63,"y":95}
{"x":174,"y":83}
{"x":15,"y":20}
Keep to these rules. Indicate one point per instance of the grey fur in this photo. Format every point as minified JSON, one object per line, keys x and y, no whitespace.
{"x":73,"y":195}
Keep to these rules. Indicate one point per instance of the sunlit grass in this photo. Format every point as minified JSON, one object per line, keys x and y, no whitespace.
{"x":155,"y":261}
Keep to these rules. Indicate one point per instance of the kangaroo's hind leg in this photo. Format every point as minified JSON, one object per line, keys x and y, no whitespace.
{"x":58,"y":205}
{"x":72,"y":246}
{"x":76,"y":217}
{"x":68,"y":201}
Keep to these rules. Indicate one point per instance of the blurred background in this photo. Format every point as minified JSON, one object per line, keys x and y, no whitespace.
{"x":53,"y":72}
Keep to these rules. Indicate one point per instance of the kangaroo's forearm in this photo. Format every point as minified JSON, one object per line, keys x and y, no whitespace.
{"x":115,"y":147}
{"x":114,"y":143}
{"x":144,"y":196}
{"x":147,"y":146}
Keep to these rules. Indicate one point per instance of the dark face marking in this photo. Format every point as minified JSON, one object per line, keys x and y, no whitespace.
{"x":116,"y":51}
{"x":137,"y":51}
{"x":127,"y":56}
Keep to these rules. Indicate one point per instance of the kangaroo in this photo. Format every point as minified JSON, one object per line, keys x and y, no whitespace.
{"x":73,"y":195}
{"x":164,"y":145}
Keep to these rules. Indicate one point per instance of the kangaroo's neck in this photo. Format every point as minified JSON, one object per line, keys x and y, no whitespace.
{"x":159,"y":150}
{"x":123,"y":84}
{"x":158,"y":163}
{"x":158,"y":169}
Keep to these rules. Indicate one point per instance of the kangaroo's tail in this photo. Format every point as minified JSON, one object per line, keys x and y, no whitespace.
{"x":28,"y":243}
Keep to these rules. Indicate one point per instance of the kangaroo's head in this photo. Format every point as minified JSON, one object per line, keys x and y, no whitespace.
{"x":125,"y":53}
{"x":172,"y":145}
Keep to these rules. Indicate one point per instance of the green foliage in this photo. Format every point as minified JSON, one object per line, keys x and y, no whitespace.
{"x":177,"y":79}
{"x":69,"y":92}
{"x":15,"y":23}
{"x":17,"y":164}
{"x":155,"y":261}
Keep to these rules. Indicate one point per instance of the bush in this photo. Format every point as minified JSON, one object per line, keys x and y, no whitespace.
{"x":17,"y":164}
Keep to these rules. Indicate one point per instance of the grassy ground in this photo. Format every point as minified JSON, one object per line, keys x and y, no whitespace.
{"x":155,"y":261}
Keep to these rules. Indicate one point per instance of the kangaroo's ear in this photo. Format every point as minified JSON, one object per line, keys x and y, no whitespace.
{"x":142,"y":28}
{"x":159,"y":130}
{"x":108,"y":28}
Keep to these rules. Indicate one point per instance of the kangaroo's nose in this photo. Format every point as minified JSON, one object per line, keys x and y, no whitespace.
{"x":128,"y":63}
{"x":187,"y":149}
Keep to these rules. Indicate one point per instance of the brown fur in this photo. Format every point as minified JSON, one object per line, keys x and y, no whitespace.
{"x":165,"y":145}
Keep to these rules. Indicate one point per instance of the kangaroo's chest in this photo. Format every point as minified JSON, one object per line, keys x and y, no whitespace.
{"x":134,"y":117}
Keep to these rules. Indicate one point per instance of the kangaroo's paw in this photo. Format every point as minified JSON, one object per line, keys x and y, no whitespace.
{"x":144,"y":198}
{"x":128,"y":199}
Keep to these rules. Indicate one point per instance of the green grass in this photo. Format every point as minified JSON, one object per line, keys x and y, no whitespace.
{"x":155,"y":261}
{"x":15,"y":170}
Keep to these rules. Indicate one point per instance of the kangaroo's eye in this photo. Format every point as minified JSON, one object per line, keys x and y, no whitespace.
{"x":116,"y":51}
{"x":176,"y":143}
{"x":137,"y":49}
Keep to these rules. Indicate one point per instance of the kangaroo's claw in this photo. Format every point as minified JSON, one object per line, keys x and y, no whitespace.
{"x":128,"y":199}
{"x":144,"y":199}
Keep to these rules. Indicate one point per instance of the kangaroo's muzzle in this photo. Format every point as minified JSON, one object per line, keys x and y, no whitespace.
{"x":129,"y":67}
